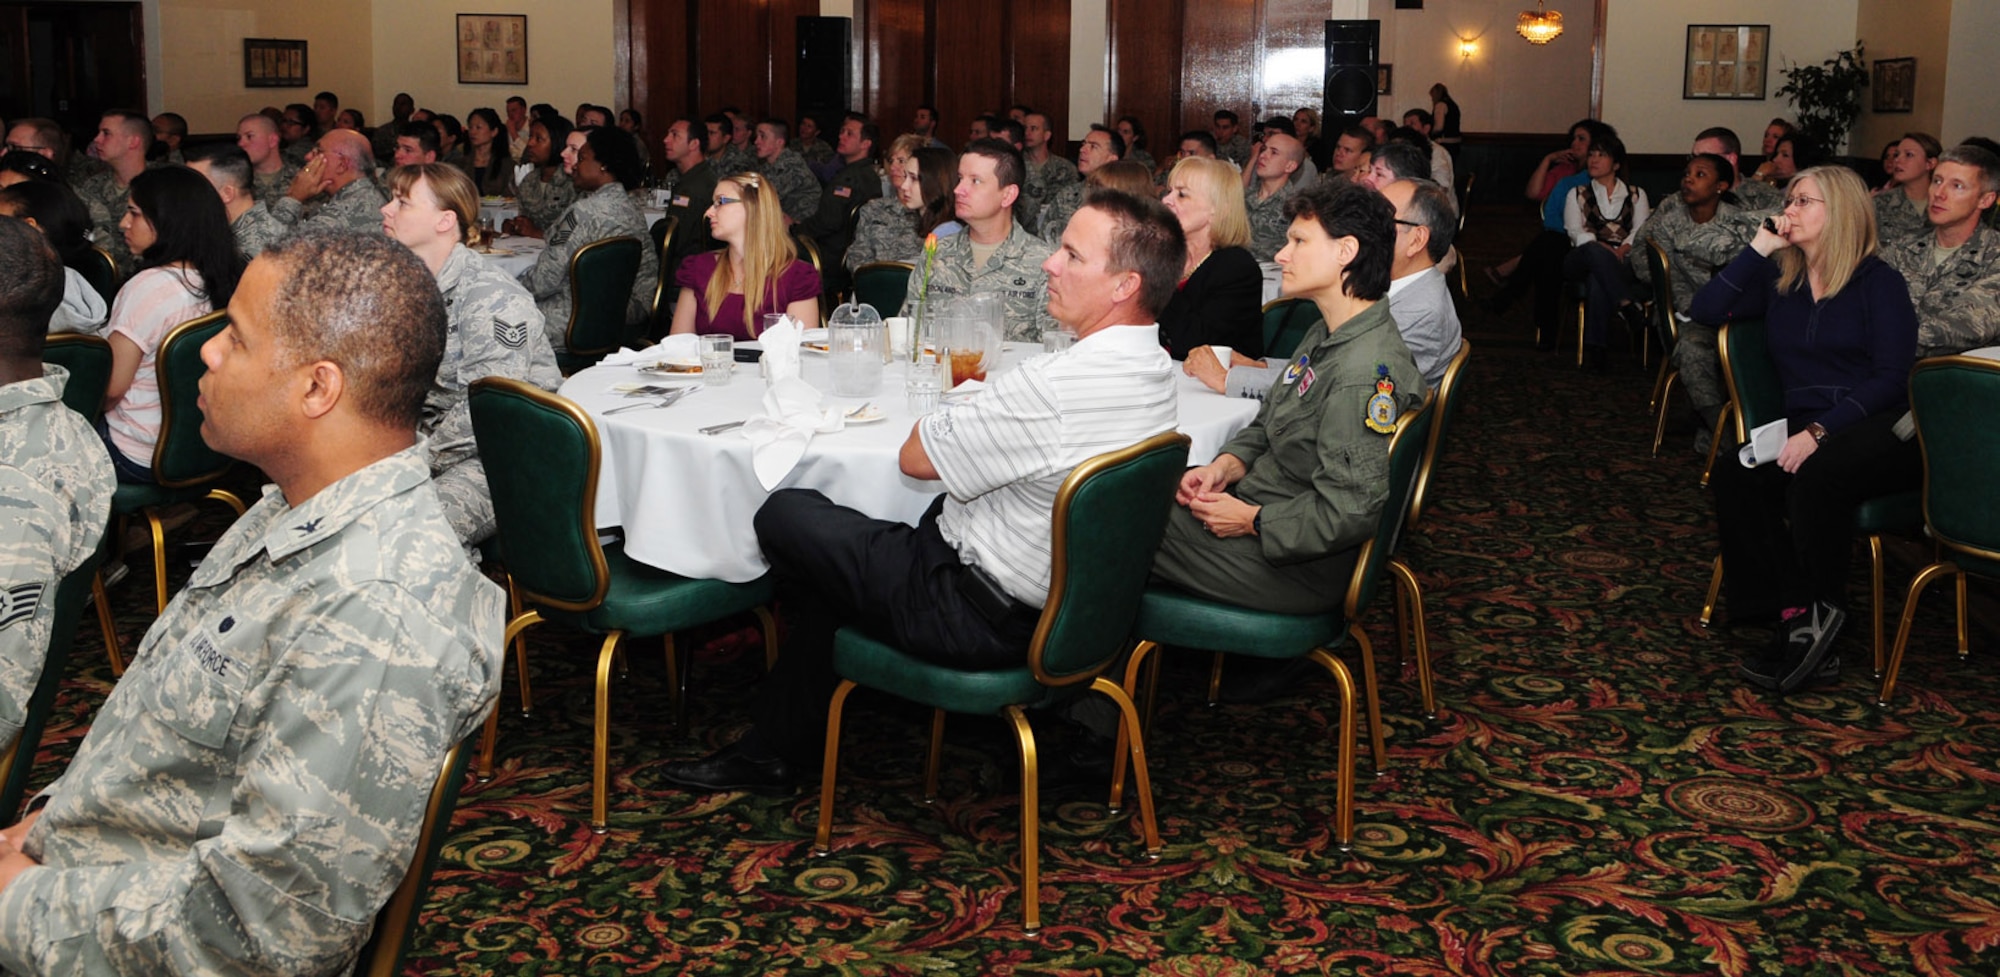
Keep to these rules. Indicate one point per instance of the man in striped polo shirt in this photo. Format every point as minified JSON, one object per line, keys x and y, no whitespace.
{"x":965,"y":586}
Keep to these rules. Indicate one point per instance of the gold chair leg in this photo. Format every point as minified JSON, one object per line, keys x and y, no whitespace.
{"x":1875,"y":594}
{"x":822,"y":842}
{"x":1369,"y":686}
{"x":1964,"y":637}
{"x":1923,"y":579}
{"x":1407,"y":581}
{"x":676,"y":692}
{"x":936,"y":757}
{"x":1343,"y":818}
{"x":1714,"y":593}
{"x":159,"y":560}
{"x":520,"y":646}
{"x":769,"y":624}
{"x":1660,"y":423}
{"x":1580,"y":317}
{"x":1401,"y":600}
{"x":1715,"y":442}
{"x":483,"y":769}
{"x":1215,"y":680}
{"x":1134,"y":663}
{"x":1031,"y":825}
{"x":600,"y":760}
{"x":110,"y":627}
{"x":1130,"y":717}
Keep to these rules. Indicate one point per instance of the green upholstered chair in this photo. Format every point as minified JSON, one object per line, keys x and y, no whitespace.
{"x":185,"y":468}
{"x":883,"y":284}
{"x":18,"y":760}
{"x":601,"y":275}
{"x":1186,"y":621}
{"x":542,"y":455}
{"x":662,"y":317}
{"x":101,"y":271}
{"x":1285,"y":324}
{"x":396,"y":924}
{"x":1955,"y":399}
{"x":1109,"y":515}
{"x":1757,"y":397}
{"x":1410,"y":627}
{"x":88,"y":360}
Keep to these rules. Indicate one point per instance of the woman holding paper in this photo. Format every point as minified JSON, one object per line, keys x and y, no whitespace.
{"x":759,"y":259}
{"x":1842,"y":334}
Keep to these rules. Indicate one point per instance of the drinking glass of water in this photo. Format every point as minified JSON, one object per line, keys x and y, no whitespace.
{"x":922,"y":385}
{"x":718,"y":357}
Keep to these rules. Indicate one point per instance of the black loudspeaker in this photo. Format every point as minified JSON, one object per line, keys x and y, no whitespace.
{"x":1352,"y":47}
{"x":824,"y":57}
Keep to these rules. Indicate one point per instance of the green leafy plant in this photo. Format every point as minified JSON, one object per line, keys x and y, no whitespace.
{"x":1827,"y":96}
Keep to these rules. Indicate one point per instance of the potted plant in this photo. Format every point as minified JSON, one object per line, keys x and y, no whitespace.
{"x":1827,"y":96}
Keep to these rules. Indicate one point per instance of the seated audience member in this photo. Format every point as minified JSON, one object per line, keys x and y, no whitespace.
{"x":493,"y":330}
{"x":1699,"y":231}
{"x":20,"y":166}
{"x":170,"y":129}
{"x":1843,"y":334}
{"x":995,"y":254}
{"x":1353,"y":152}
{"x":517,"y":126}
{"x":981,"y":127}
{"x":922,"y":206}
{"x":1395,"y":161}
{"x":1099,"y":146}
{"x":1774,"y":133}
{"x":270,"y":173}
{"x":547,"y":190}
{"x":607,"y":168}
{"x":1124,"y":176}
{"x":758,"y":259}
{"x":451,"y":141}
{"x":634,"y":125}
{"x":1305,"y":125}
{"x":383,"y":142}
{"x":593,"y":117}
{"x":487,"y":160}
{"x":1953,"y":269}
{"x":810,"y":147}
{"x":43,"y":137}
{"x":252,"y":807}
{"x":1044,"y":171}
{"x":121,"y":145}
{"x":785,"y":172}
{"x":855,"y":185}
{"x":326,"y":110}
{"x":54,"y":210}
{"x":1011,"y":132}
{"x":1600,"y":217}
{"x":1218,"y":298}
{"x":350,"y":119}
{"x":1752,"y":194}
{"x":693,"y":190}
{"x":53,"y":470}
{"x":1230,"y":142}
{"x":228,"y":170}
{"x":1272,"y":186}
{"x":188,"y":267}
{"x":298,"y":133}
{"x":342,"y":172}
{"x":727,"y":139}
{"x":925,"y":124}
{"x":1422,"y":122}
{"x":1001,"y":455}
{"x":1257,"y":528}
{"x":416,"y":144}
{"x":1133,"y":131}
{"x":1795,"y":152}
{"x":1548,"y":186}
{"x":1901,"y":206}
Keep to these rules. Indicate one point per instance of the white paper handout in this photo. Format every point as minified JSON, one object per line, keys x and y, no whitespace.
{"x":1765,"y":443}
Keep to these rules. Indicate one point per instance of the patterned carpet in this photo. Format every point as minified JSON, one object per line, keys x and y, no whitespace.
{"x":1599,"y":795}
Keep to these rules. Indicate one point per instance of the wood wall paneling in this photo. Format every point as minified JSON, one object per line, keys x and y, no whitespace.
{"x":890,"y":34}
{"x":970,"y":75}
{"x":1144,"y":69}
{"x":1219,"y":67}
{"x":1038,"y":61}
{"x":660,"y":84}
{"x":732,"y":47}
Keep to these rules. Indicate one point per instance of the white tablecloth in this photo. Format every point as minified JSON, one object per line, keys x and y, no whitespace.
{"x":686,"y":499}
{"x":525,"y":251}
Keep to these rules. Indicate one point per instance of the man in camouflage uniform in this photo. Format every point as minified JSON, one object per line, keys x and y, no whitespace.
{"x":298,"y":134}
{"x":1100,"y":146}
{"x":1954,"y":269}
{"x":494,"y":331}
{"x":607,"y":166}
{"x":809,"y":145}
{"x":1697,"y":252}
{"x":250,"y":795}
{"x":547,"y":191}
{"x":1230,"y":142}
{"x":1045,"y":172}
{"x":55,"y":478}
{"x":383,"y":142}
{"x":121,"y":145}
{"x":727,"y":154}
{"x":786,"y":172}
{"x":1264,"y":201}
{"x":228,"y":170}
{"x":339,"y":178}
{"x":994,"y":254}
{"x":270,"y":173}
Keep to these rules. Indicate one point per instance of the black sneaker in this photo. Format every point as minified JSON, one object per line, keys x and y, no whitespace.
{"x":1764,"y":667}
{"x":1809,"y":639}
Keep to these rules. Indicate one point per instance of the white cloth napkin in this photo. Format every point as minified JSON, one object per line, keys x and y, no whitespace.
{"x":678,"y":348}
{"x":794,"y":410}
{"x":625,"y":357}
{"x":522,"y":172}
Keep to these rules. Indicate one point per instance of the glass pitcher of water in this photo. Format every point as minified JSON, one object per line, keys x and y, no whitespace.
{"x":855,"y":339}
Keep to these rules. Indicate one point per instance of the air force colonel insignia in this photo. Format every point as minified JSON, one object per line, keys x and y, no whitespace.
{"x":1382,"y":407}
{"x":512,"y":335}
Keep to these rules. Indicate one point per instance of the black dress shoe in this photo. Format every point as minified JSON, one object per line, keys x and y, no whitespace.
{"x":729,"y":769}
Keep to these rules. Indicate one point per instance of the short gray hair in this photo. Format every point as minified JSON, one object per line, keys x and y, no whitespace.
{"x":1978,"y":158}
{"x":1431,"y":205}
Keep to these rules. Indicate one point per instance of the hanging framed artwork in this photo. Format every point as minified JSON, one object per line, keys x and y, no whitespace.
{"x":492,"y":49}
{"x":1726,"y":61}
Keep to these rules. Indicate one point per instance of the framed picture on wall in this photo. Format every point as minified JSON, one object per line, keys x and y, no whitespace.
{"x":1384,"y":74}
{"x":1726,"y":61}
{"x":1895,"y":84}
{"x":271,"y":63}
{"x":492,"y":49}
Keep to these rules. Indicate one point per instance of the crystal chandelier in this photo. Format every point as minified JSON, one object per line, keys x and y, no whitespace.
{"x":1540,"y":25}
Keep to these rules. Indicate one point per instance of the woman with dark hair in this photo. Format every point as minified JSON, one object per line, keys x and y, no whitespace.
{"x":19,"y":166}
{"x":1842,"y":332}
{"x":607,"y":168}
{"x":547,"y":191}
{"x":893,"y":228}
{"x":1134,"y":133}
{"x":1794,"y":152}
{"x":489,"y":163}
{"x":188,"y":267}
{"x":1277,"y":520}
{"x":56,"y":211}
{"x":1601,"y":217}
{"x":1444,"y":119}
{"x":451,"y":141}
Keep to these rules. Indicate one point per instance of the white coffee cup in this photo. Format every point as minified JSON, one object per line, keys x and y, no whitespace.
{"x":1221,"y":355}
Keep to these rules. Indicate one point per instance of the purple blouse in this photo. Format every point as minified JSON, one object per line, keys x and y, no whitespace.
{"x":799,"y":281}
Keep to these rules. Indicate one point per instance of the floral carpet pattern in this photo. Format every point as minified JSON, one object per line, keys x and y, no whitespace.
{"x":1598,"y":795}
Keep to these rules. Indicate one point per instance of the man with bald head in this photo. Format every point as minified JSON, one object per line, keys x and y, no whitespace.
{"x":123,"y":138}
{"x":1277,"y":160}
{"x":338,"y":177}
{"x":270,"y":172}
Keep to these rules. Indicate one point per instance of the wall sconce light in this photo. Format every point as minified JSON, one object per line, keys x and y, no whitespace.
{"x":1466,"y":49}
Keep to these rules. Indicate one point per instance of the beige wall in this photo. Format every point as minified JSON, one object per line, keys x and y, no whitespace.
{"x":199,"y":64}
{"x":1918,"y":29}
{"x":569,"y":54}
{"x":1507,"y":85}
{"x":1971,"y":99}
{"x":1645,"y":51}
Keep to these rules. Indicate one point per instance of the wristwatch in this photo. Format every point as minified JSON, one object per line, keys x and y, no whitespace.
{"x":1817,"y":430}
{"x":1257,"y":522}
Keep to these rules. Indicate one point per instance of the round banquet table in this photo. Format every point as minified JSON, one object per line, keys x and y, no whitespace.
{"x":515,"y":255}
{"x":685,"y":500}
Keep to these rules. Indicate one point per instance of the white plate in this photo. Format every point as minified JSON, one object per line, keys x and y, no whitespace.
{"x":869,"y":416}
{"x":655,"y":374}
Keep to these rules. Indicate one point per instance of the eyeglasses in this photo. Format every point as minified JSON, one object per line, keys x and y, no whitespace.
{"x":722,"y":201}
{"x":1802,"y":200}
{"x":1405,"y":223}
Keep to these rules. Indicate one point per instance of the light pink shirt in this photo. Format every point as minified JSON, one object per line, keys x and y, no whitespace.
{"x":146,"y":309}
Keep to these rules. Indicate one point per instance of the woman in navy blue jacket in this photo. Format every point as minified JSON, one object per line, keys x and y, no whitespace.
{"x":1843,"y":335}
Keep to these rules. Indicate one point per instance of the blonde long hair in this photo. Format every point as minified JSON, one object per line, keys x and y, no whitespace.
{"x":767,"y":251}
{"x":1849,"y":235}
{"x":1221,"y":184}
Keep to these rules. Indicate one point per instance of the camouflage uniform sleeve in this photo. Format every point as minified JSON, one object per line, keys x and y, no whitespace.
{"x":502,"y":335}
{"x":319,"y":829}
{"x":550,"y":273}
{"x":951,"y":274}
{"x":544,"y":203}
{"x":28,"y":579}
{"x":883,"y":232}
{"x":798,"y":191}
